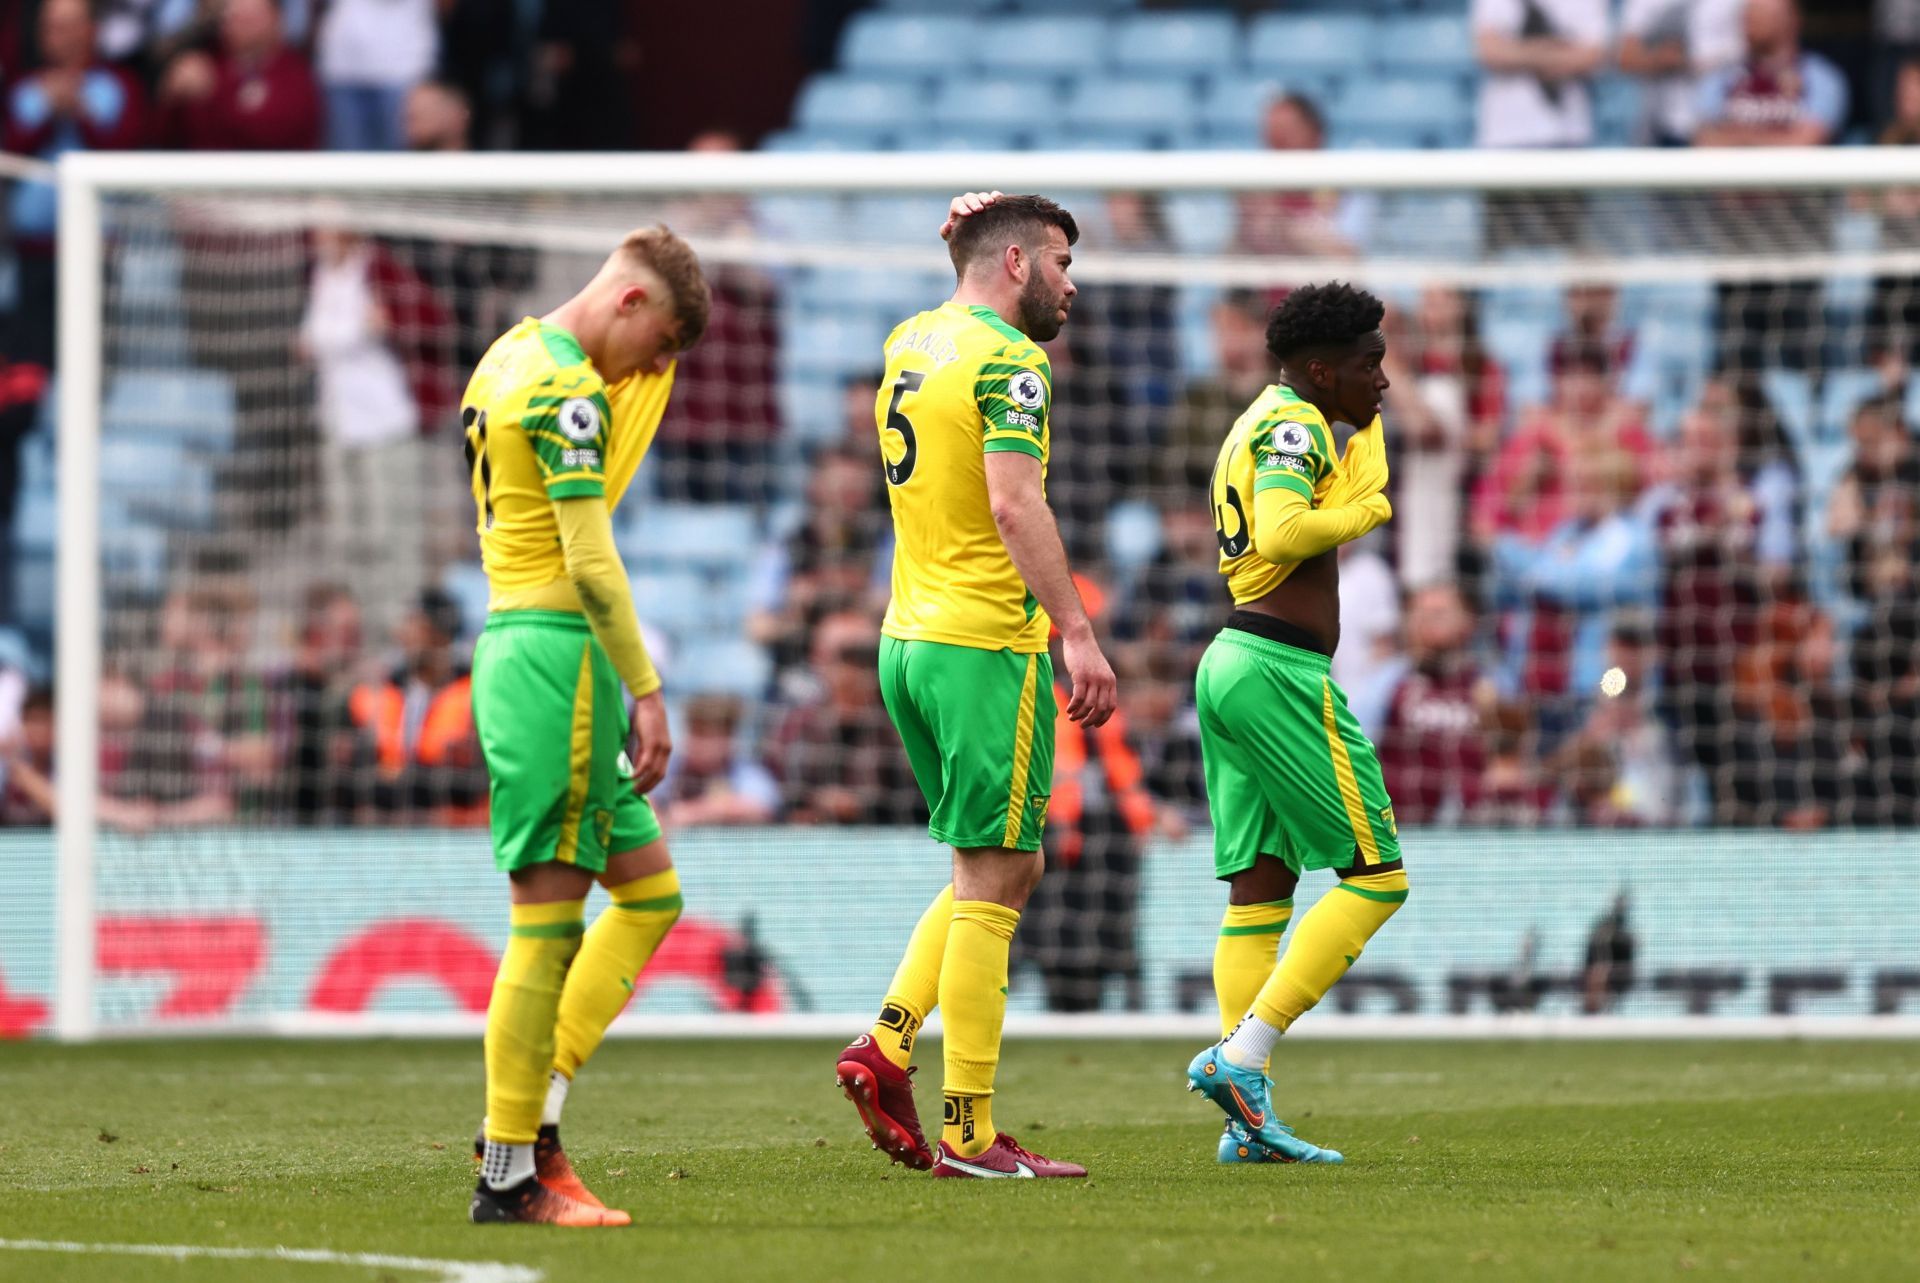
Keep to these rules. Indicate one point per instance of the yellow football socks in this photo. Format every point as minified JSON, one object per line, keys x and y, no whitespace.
{"x":916,"y":983}
{"x":520,"y":1017}
{"x":1244,"y":954}
{"x":973,"y":1006}
{"x":1328,"y":941}
{"x":612,"y":956}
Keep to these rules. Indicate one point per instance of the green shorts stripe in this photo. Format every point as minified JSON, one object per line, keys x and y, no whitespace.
{"x":1289,"y":772}
{"x":552,"y":718}
{"x":978,"y":729}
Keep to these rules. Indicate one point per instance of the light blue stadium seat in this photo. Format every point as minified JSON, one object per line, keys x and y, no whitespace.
{"x":1517,"y":324}
{"x":691,"y":535}
{"x":1193,"y":317}
{"x":1841,"y":393}
{"x":1790,"y":393}
{"x":1231,"y":101}
{"x":15,"y":652}
{"x":1133,"y":536}
{"x":1176,"y":43}
{"x":721,"y":664}
{"x":1430,"y":107}
{"x":964,"y":138}
{"x":913,"y":43}
{"x":1201,"y":222}
{"x":36,"y":521}
{"x":796,"y":217}
{"x":1436,"y":42}
{"x":133,"y":558}
{"x":1845,"y":299}
{"x":1380,"y":135}
{"x":192,"y":407}
{"x":466,"y":583}
{"x":829,"y":102}
{"x":1050,"y":44}
{"x":1005,"y":101}
{"x":1422,"y":224}
{"x":1617,"y":111}
{"x":1278,"y":42}
{"x":810,"y":406}
{"x":847,"y":138}
{"x":942,"y":6}
{"x":1912,"y":404}
{"x":1157,"y":108}
{"x":899,"y":220}
{"x":1673,"y":347}
{"x":674,"y":599}
{"x":830,"y":345}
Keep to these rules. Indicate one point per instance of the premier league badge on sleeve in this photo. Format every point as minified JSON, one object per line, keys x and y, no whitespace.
{"x":1027,"y":390}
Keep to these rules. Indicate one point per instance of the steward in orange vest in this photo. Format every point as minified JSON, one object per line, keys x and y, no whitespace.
{"x":417,"y":737}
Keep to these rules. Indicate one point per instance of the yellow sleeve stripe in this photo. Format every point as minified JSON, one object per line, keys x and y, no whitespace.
{"x":557,"y":478}
{"x":1016,"y":442}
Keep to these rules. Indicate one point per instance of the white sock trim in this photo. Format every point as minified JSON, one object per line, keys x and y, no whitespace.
{"x":1250,"y":1045}
{"x":505,"y":1166}
{"x":557,"y":1084}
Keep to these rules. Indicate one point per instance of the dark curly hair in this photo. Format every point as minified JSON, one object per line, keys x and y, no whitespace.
{"x":1323,"y":316}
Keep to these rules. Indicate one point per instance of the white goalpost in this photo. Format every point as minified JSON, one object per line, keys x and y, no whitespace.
{"x":196,"y":507}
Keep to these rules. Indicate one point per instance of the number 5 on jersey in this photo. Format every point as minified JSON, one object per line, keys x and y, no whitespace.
{"x":900,"y":456}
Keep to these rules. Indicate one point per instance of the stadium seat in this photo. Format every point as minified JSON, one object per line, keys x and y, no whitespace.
{"x":1440,"y":225}
{"x":831,"y":102}
{"x":899,"y":220}
{"x":1176,"y":43}
{"x":36,"y":521}
{"x":1230,"y":101}
{"x":1156,"y":108}
{"x":912,"y":43}
{"x":1382,"y":135}
{"x":674,"y":599}
{"x":839,"y":139}
{"x":133,"y":558}
{"x":829,"y":346}
{"x":1003,"y":101}
{"x":964,"y":138}
{"x":1517,"y":324}
{"x":1201,"y":222}
{"x":714,"y":536}
{"x":191,"y":407}
{"x":942,"y":6}
{"x":1617,"y":111}
{"x":721,"y":664}
{"x":798,"y":217}
{"x":1790,"y":393}
{"x":17,"y":654}
{"x":1283,"y":42}
{"x":1133,"y":536}
{"x":1428,"y":107}
{"x":466,"y":583}
{"x":1841,"y":393}
{"x":1437,"y":42}
{"x":1050,"y":44}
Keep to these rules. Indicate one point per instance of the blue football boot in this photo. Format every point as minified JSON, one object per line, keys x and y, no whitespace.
{"x":1245,"y":1095}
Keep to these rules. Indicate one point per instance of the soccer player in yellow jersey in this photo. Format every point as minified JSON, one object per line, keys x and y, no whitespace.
{"x":558,"y":416}
{"x":978,"y":571}
{"x":1292,"y":782}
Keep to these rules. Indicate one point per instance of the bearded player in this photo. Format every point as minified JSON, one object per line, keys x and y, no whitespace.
{"x":1292,"y":782}
{"x":978,"y":571}
{"x":558,"y":416}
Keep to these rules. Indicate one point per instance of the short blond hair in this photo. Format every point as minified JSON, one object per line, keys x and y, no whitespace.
{"x":670,"y":258}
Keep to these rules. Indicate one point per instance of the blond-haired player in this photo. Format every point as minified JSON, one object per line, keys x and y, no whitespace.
{"x":558,"y":415}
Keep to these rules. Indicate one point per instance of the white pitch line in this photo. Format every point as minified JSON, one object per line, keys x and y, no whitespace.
{"x":446,"y":1271}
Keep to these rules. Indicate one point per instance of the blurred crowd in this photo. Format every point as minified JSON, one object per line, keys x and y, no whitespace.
{"x":1584,"y":613}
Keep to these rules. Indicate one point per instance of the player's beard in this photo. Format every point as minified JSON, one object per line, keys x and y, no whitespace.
{"x":1039,"y":310}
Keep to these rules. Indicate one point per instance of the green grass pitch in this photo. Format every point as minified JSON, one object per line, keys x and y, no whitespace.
{"x":739,"y":1160}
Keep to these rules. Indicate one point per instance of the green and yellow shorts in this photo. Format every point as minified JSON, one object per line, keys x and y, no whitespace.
{"x":978,"y":729}
{"x":552,"y":717}
{"x":1289,"y":772}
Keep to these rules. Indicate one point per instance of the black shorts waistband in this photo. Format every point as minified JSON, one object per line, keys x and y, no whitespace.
{"x":1277,"y":630}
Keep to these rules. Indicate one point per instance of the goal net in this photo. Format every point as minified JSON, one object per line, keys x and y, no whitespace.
{"x":1638,"y":649}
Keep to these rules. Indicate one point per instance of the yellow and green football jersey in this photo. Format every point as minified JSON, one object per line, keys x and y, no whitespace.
{"x":542,"y":425}
{"x":960,"y":384}
{"x":1280,"y":441}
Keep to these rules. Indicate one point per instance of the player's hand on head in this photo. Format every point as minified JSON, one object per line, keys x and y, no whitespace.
{"x":1095,"y":689}
{"x":964,"y":204}
{"x":654,"y":742}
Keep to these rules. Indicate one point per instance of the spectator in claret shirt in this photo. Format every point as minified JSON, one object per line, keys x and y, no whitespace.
{"x":255,"y":94}
{"x":72,"y":102}
{"x":1433,"y":747}
{"x":1779,"y":95}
